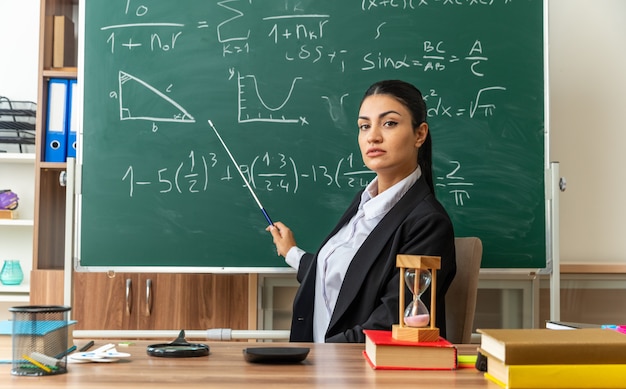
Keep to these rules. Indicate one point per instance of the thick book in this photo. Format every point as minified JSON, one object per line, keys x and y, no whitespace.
{"x":565,"y":376}
{"x":63,"y":47}
{"x":544,"y":346}
{"x":386,"y":353}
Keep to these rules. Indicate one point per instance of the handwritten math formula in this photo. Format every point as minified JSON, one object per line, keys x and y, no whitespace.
{"x":302,"y":34}
{"x":296,"y":33}
{"x":282,"y":80}
{"x":267,"y":172}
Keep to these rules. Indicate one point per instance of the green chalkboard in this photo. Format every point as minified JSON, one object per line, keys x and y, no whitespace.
{"x":282,"y":81}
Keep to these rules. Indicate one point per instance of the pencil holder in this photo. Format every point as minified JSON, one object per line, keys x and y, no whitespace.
{"x":40,"y":340}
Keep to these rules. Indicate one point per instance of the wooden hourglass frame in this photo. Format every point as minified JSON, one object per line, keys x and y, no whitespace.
{"x":412,"y":334}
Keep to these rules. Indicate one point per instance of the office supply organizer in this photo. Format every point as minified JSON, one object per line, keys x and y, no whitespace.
{"x":40,"y":340}
{"x":17,"y":126}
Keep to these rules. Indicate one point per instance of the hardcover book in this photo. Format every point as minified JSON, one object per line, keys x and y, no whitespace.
{"x":384,"y":352}
{"x":544,"y":346}
{"x":565,"y":376}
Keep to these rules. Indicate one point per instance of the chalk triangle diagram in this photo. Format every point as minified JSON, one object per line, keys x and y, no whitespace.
{"x":141,"y":101}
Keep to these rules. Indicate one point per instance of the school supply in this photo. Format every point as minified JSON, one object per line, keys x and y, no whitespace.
{"x":384,"y":352}
{"x":544,"y":346}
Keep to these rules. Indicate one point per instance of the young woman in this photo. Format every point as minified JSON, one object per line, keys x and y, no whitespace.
{"x":352,"y":282}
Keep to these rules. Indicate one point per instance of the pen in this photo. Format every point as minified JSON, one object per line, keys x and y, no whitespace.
{"x":39,"y":365}
{"x":87,"y":346}
{"x":64,"y":353}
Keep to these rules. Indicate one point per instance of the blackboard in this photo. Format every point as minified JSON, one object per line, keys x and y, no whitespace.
{"x":282,"y":81}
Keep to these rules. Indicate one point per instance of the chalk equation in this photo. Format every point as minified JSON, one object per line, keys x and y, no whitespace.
{"x":454,"y":183}
{"x":265,"y":171}
{"x":270,"y":173}
{"x":481,"y":105}
{"x":304,"y":35}
{"x":253,"y":107}
{"x":434,"y":57}
{"x":294,"y":35}
{"x":372,"y":5}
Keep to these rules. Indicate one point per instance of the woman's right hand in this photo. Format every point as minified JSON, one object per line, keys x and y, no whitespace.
{"x":283,"y":238}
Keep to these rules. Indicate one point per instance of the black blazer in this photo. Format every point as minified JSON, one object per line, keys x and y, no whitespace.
{"x":368,"y":298}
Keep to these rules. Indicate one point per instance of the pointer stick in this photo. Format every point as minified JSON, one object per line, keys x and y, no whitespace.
{"x":267,"y":217}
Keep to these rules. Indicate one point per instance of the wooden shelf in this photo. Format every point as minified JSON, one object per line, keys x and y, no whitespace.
{"x":22,"y":288}
{"x":17,"y":157}
{"x":61,"y":73}
{"x":53,"y":165}
{"x":596,"y":268}
{"x":17,"y":171}
{"x":17,"y":222}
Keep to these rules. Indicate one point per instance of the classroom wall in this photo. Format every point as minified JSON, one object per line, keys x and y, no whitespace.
{"x":587,"y":49}
{"x":19,"y":49}
{"x":587,"y":81}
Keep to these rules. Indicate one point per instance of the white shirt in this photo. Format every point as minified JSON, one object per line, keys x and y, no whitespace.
{"x":335,"y":256}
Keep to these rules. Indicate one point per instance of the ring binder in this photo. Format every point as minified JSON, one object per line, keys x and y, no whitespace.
{"x":56,"y":122}
{"x":72,"y":121}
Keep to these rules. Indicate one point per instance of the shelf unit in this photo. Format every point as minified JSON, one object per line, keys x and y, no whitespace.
{"x":17,"y":173}
{"x":49,"y":216}
{"x":190,"y":301}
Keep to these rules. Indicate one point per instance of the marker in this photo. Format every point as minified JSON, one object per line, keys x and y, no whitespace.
{"x":45,"y":359}
{"x":267,"y":217}
{"x":64,"y":353}
{"x":39,"y":365}
{"x":86,"y":346}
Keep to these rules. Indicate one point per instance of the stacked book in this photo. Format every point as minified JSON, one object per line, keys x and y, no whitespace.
{"x":546,"y":358}
{"x":384,"y":352}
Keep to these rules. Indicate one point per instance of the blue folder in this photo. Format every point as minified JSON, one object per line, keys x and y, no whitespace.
{"x":56,"y":121}
{"x":72,"y":106}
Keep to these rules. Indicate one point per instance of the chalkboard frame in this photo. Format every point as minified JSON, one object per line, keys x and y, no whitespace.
{"x":262,"y":269}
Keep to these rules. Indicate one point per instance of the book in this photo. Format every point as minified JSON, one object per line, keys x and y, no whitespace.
{"x":545,"y":346}
{"x":63,"y":50}
{"x":565,"y":376}
{"x":384,"y":352}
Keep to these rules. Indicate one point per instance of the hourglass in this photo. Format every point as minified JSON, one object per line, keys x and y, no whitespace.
{"x":416,"y":272}
{"x":416,"y":314}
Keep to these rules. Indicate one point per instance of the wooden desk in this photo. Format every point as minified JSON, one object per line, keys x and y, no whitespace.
{"x":327,"y":366}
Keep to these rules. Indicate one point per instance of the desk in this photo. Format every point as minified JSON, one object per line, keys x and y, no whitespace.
{"x":327,"y":366}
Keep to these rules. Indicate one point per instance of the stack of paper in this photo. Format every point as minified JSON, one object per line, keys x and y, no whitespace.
{"x":545,"y":358}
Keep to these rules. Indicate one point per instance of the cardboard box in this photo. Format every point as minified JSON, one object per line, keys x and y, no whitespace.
{"x":8,"y":214}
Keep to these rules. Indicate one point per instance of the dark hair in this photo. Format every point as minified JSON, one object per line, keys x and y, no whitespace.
{"x":410,"y":97}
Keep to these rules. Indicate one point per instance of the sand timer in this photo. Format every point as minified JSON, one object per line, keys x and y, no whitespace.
{"x":417,"y":272}
{"x":416,"y":314}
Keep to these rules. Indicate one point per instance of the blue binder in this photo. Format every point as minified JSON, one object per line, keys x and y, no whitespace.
{"x":56,"y":121}
{"x":72,"y":106}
